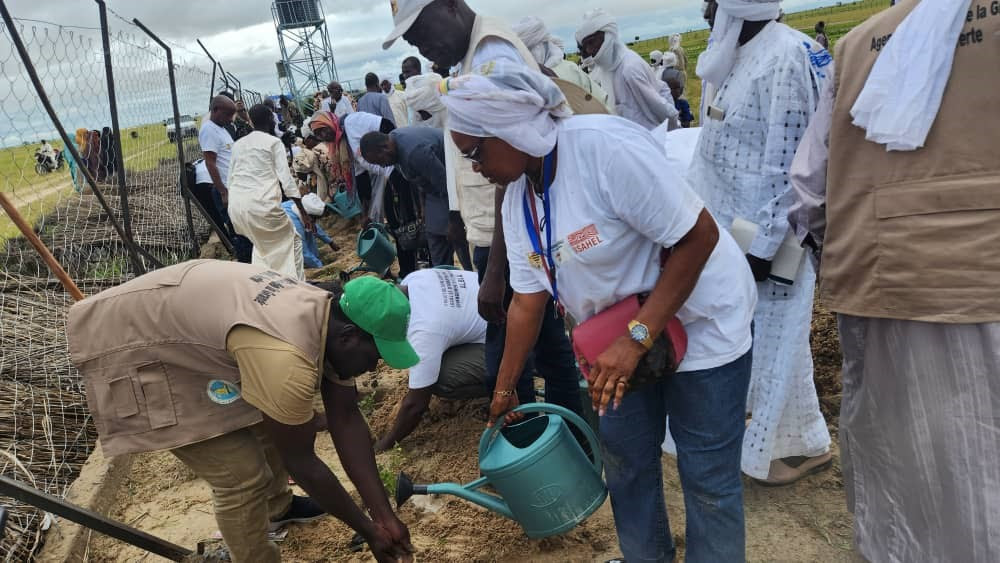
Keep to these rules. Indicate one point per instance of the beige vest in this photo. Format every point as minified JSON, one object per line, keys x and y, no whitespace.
{"x":152,"y":350}
{"x":468,"y":191}
{"x":916,"y":235}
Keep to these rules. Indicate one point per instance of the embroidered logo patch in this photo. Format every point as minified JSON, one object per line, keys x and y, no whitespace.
{"x":223,"y":392}
{"x":584,"y":239}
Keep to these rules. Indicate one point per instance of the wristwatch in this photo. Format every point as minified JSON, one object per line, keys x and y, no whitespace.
{"x":640,"y":333}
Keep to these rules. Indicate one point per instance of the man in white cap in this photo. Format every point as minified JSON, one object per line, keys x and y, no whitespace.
{"x":767,"y":78}
{"x":895,"y":188}
{"x":548,"y":52}
{"x":655,"y":58}
{"x":450,"y":33}
{"x":633,"y":88}
{"x":315,"y":207}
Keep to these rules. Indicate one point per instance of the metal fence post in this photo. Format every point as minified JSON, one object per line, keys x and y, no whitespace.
{"x":181,"y":161}
{"x":119,"y":157}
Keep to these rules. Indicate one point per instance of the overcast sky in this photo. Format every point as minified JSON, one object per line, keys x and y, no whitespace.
{"x":240,"y":33}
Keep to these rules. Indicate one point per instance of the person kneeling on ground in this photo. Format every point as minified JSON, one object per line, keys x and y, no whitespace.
{"x":315,"y":207}
{"x":448,"y":335}
{"x":219,"y":363}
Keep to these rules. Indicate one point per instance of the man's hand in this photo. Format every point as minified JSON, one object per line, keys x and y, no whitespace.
{"x":611,"y":372}
{"x":491,"y":294}
{"x":309,"y":224}
{"x":761,"y":268}
{"x":390,"y":541}
{"x":224,"y":194}
{"x":502,"y":405}
{"x":334,"y":246}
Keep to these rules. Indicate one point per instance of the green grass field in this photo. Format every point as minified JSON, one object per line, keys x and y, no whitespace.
{"x":839,"y":20}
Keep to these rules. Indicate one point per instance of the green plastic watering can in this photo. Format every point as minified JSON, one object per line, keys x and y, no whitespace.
{"x":375,"y":249}
{"x":544,"y":479}
{"x":344,"y":204}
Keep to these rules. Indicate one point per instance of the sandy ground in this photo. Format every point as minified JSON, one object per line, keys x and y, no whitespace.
{"x":805,"y":522}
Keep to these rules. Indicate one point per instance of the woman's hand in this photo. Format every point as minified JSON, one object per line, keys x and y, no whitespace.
{"x":503,"y":404}
{"x":612,"y":371}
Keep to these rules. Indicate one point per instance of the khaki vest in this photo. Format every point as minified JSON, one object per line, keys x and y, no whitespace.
{"x":149,"y":349}
{"x":916,"y":235}
{"x":468,"y":191}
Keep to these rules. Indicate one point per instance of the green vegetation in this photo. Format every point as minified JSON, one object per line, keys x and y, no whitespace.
{"x":839,"y":20}
{"x":392,"y":463}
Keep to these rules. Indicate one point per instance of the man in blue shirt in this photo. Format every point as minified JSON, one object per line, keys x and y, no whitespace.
{"x":374,"y":101}
{"x":310,"y":252}
{"x":418,"y":154}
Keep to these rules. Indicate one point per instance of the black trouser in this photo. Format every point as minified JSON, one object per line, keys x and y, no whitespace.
{"x":401,"y":207}
{"x":209,"y":198}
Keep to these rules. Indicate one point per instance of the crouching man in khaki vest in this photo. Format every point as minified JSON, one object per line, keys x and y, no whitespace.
{"x":219,"y":363}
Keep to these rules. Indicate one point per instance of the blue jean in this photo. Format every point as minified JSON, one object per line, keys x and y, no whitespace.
{"x":552,"y":358}
{"x":707,"y":419}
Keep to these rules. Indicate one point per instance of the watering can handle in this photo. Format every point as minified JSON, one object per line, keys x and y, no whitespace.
{"x":569,"y":415}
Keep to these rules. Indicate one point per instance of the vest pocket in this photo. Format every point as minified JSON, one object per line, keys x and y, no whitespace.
{"x":123,"y":397}
{"x":155,"y":386}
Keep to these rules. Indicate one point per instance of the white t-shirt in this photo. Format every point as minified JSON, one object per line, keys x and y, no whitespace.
{"x":340,"y":108}
{"x":213,"y":138}
{"x":444,"y":313}
{"x":616,"y":202}
{"x":358,"y":125}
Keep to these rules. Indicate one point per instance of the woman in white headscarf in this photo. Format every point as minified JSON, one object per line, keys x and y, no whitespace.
{"x":679,"y":52}
{"x":633,"y":88}
{"x":590,"y":207}
{"x":548,"y":52}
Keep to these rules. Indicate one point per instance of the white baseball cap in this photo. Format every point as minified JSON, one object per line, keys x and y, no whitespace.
{"x":404,"y":13}
{"x":313,"y":205}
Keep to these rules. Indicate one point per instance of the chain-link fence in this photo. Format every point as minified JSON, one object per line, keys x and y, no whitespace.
{"x":117,"y":211}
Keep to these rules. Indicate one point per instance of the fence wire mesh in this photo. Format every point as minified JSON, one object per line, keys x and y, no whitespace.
{"x":46,"y":433}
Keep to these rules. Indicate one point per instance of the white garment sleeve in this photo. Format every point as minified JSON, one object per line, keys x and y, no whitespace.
{"x":429,"y":347}
{"x":280,"y":160}
{"x":523,"y":277}
{"x":648,"y":195}
{"x":807,"y":214}
{"x":787,"y":111}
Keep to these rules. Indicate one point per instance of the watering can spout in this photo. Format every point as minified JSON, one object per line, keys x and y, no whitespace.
{"x":405,"y":488}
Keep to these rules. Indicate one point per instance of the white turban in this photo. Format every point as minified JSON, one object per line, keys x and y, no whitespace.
{"x":510,"y":102}
{"x":902,"y":96}
{"x":612,"y":50}
{"x":545,"y":47}
{"x":655,"y":57}
{"x":421,"y":94}
{"x":717,"y":61}
{"x":313,"y":205}
{"x":669,"y":60}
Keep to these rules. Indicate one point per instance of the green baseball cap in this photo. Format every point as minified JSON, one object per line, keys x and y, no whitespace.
{"x":382,"y":311}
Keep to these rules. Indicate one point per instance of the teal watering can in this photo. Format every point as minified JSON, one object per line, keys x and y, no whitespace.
{"x":344,"y":204}
{"x":544,"y":479}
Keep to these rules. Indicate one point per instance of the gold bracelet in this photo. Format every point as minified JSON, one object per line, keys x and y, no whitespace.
{"x":508,"y":393}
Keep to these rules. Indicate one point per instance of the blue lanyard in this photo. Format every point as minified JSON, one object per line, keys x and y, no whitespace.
{"x":533,"y":225}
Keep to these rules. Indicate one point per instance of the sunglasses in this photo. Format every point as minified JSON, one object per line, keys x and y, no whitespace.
{"x":476,"y":154}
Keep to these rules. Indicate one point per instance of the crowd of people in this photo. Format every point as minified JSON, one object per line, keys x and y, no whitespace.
{"x":572,"y":190}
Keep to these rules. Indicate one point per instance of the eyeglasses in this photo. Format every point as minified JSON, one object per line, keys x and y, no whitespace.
{"x":476,"y":154}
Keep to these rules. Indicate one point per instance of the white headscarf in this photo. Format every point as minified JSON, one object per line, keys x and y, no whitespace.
{"x":675,"y":40}
{"x":510,"y":102}
{"x":717,"y":61}
{"x":545,"y":47}
{"x":656,"y":57}
{"x":669,"y":60}
{"x":612,"y":51}
{"x":422,"y":94}
{"x":902,"y":97}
